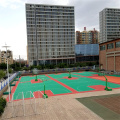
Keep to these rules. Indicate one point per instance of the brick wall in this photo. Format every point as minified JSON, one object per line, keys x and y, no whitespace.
{"x":110,"y":59}
{"x":117,"y":63}
{"x":102,"y":59}
{"x":110,"y":63}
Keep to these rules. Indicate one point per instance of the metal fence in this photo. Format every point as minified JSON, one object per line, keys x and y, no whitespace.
{"x":5,"y":82}
{"x":61,"y":69}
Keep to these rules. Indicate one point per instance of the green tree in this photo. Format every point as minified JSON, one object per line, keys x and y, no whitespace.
{"x":17,"y":69}
{"x":26,"y":68}
{"x":83,"y":64}
{"x":3,"y":66}
{"x":10,"y":70}
{"x":16,"y":65}
{"x":61,"y":65}
{"x":32,"y":67}
{"x":2,"y":74}
{"x":39,"y":67}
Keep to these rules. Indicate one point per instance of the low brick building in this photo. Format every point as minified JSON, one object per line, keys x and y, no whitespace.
{"x":109,"y":55}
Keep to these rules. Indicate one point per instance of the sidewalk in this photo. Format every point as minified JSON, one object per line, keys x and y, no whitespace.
{"x":64,"y":107}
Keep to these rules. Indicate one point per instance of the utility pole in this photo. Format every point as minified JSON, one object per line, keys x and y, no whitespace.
{"x":7,"y":68}
{"x":19,"y":61}
{"x":15,"y":63}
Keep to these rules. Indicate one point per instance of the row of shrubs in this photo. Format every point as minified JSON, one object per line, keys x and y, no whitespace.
{"x":2,"y":105}
{"x":61,"y":65}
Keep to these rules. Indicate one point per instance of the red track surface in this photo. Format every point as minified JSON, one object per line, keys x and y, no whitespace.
{"x":111,"y":79}
{"x":73,"y":78}
{"x":37,"y":94}
{"x":39,"y":81}
{"x":32,"y":75}
{"x":97,"y":87}
{"x":13,"y":90}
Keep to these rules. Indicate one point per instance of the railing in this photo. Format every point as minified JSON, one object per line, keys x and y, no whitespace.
{"x":62,"y":69}
{"x":5,"y":82}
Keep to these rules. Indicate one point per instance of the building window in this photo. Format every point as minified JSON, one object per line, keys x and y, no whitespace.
{"x":102,"y":47}
{"x":117,"y":44}
{"x":110,"y":46}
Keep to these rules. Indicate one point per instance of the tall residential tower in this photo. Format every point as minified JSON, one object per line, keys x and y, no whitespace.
{"x":109,"y":19}
{"x":50,"y":34}
{"x":3,"y":58}
{"x":87,"y":37}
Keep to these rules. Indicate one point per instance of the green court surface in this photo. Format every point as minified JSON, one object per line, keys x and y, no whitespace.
{"x":29,"y":78}
{"x":86,"y":73}
{"x":25,"y":79}
{"x":49,"y":85}
{"x":57,"y":84}
{"x":59,"y":76}
{"x":83,"y":83}
{"x":43,"y":77}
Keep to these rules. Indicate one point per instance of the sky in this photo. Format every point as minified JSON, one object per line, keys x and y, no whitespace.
{"x":13,"y":20}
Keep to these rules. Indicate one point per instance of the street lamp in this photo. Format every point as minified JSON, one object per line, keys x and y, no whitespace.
{"x":15,"y":63}
{"x":7,"y":68}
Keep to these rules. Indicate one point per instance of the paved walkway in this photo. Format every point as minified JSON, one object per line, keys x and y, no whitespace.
{"x":64,"y":107}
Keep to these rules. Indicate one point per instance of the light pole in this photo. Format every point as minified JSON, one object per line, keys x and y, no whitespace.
{"x":7,"y":68}
{"x":15,"y":63}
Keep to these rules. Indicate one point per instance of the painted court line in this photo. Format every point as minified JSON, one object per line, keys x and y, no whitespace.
{"x":79,"y":75}
{"x":69,"y":88}
{"x":73,"y":91}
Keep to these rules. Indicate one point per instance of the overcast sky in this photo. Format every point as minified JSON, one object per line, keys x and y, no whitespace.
{"x":13,"y":22}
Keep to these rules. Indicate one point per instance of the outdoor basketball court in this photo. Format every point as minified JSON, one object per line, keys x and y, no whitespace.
{"x":60,"y":84}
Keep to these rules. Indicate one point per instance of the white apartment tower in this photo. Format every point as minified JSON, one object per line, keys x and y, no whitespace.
{"x":50,"y":34}
{"x":109,"y":19}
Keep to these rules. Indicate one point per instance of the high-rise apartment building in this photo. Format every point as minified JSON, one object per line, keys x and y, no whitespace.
{"x":109,"y":19}
{"x":78,"y":41}
{"x":4,"y":56}
{"x":87,"y":37}
{"x":50,"y":34}
{"x":0,"y":56}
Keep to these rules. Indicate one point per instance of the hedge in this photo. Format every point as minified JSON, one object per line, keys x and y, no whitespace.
{"x":2,"y":105}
